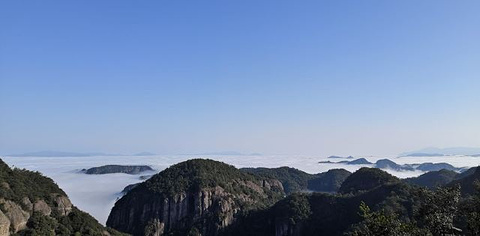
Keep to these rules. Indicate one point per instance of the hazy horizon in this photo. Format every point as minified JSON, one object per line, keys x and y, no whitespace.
{"x":310,"y":78}
{"x":454,"y":151}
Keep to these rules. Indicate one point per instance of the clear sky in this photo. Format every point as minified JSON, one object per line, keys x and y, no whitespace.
{"x":276,"y":77}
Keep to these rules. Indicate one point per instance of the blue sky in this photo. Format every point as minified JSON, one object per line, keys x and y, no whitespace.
{"x":277,"y":77}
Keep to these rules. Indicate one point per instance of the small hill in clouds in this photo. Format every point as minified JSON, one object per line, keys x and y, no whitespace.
{"x":360,"y":161}
{"x":111,"y":169}
{"x":228,"y":153}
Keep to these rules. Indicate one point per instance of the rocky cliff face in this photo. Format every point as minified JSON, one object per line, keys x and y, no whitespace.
{"x":4,"y":225}
{"x":15,"y":214}
{"x":207,"y":197}
{"x":18,"y":216}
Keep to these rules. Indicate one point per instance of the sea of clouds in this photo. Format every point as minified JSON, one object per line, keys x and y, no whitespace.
{"x":96,"y":194}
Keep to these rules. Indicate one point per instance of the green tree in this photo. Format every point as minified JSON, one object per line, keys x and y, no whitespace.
{"x":437,"y":210}
{"x":296,"y":208}
{"x":380,"y":223}
{"x":470,"y":212}
{"x":40,"y":225}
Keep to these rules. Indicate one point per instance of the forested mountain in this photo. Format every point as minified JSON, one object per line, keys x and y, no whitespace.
{"x":294,"y":180}
{"x":433,"y":179}
{"x":32,"y":204}
{"x":196,"y":196}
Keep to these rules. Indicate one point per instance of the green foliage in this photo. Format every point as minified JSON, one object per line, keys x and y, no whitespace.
{"x":81,"y":222}
{"x":470,"y":212}
{"x":295,"y":208}
{"x":436,"y":210}
{"x":194,"y":232}
{"x":380,"y":223}
{"x":195,"y":174}
{"x":40,"y":225}
{"x":329,"y":181}
{"x":19,"y":183}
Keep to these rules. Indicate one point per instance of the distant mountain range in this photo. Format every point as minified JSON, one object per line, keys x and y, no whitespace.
{"x":433,"y":151}
{"x":73,"y":154}
{"x":388,"y":164}
{"x":227,"y":153}
{"x":145,"y":154}
{"x":89,"y":154}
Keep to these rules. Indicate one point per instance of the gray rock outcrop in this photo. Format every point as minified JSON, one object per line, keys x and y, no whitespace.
{"x":16,"y":215}
{"x":42,"y":207}
{"x":4,"y":225}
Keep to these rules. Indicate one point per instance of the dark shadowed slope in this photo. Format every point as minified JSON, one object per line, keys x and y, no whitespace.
{"x":433,"y":179}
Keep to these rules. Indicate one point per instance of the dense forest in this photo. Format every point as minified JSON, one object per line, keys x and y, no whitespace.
{"x":371,"y":202}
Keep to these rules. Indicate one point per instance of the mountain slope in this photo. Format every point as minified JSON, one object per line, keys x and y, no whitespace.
{"x":32,"y":204}
{"x":433,"y":179}
{"x":319,"y":213}
{"x":329,"y":181}
{"x":466,"y":173}
{"x":366,"y":179}
{"x":293,"y":180}
{"x":467,"y":183}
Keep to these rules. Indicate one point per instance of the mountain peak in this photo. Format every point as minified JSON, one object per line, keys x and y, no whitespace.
{"x":366,"y":179}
